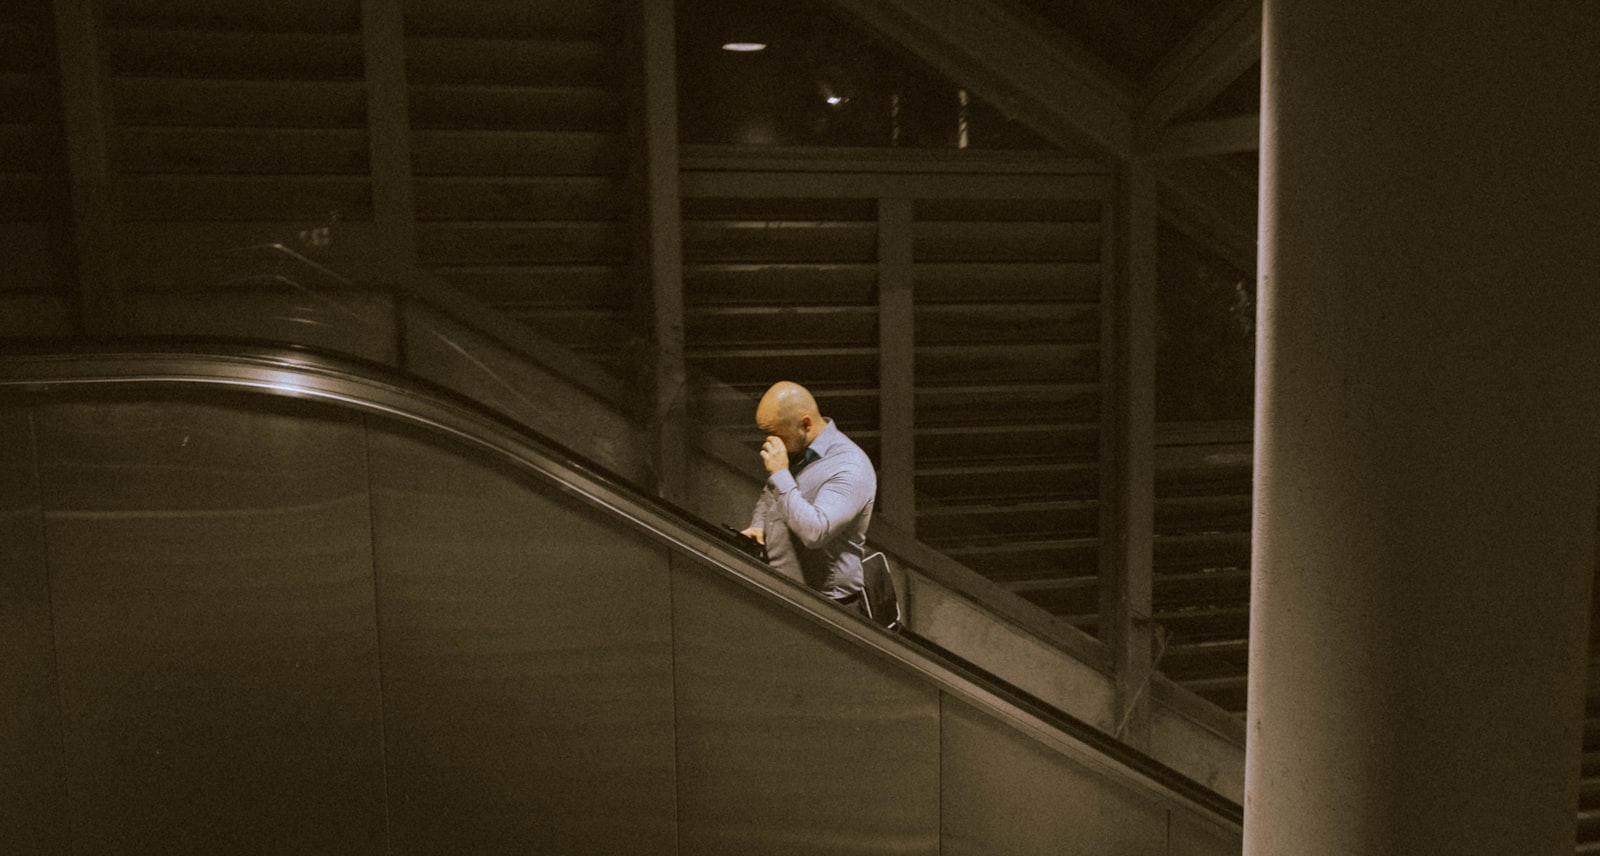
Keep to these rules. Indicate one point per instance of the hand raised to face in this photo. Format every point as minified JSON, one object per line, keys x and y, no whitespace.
{"x":773,"y":455}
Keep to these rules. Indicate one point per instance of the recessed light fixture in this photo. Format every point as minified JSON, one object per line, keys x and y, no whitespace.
{"x":744,"y":47}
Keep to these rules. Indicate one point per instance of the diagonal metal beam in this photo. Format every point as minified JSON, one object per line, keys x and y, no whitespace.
{"x":1224,"y":46}
{"x":1207,"y":137}
{"x":1017,"y":62}
{"x":1214,"y":204}
{"x":1028,"y":68}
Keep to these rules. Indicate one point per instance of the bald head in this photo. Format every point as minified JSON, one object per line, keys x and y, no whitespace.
{"x":787,"y":411}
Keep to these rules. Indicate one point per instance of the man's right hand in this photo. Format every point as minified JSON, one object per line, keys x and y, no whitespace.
{"x":774,"y":455}
{"x":756,"y":532}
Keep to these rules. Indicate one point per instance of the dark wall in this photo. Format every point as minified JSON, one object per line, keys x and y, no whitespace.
{"x":250,"y":625}
{"x":33,"y":788}
{"x":216,"y":647}
{"x":527,"y":663}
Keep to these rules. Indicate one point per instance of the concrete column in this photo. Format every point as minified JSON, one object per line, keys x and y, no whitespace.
{"x":1426,"y":457}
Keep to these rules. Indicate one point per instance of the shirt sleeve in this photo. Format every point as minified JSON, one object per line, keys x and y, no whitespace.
{"x":838,"y":501}
{"x":758,"y":517}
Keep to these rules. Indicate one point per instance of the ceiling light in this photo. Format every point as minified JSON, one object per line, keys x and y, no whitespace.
{"x":744,"y":47}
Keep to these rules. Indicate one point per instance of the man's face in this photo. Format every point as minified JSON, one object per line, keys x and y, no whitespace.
{"x":791,"y":431}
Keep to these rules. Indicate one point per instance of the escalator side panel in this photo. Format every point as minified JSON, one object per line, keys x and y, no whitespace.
{"x":527,"y":662}
{"x":33,"y":795}
{"x":1192,"y":835}
{"x":1005,"y":793}
{"x":212,"y":590}
{"x":288,"y":625}
{"x":793,"y":741}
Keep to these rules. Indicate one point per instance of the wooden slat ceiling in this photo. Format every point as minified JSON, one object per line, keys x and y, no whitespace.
{"x":233,"y":124}
{"x":520,"y":163}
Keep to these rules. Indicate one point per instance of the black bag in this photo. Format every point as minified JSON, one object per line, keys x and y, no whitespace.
{"x":879,"y":599}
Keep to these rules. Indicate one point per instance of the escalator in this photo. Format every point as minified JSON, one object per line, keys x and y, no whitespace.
{"x":260,"y":160}
{"x":265,"y":600}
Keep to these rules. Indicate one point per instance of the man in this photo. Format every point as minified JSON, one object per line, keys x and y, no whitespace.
{"x":813,"y":512}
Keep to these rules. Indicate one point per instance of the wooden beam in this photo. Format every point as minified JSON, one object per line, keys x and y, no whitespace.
{"x":896,"y":366}
{"x":1018,"y":63}
{"x":1224,"y":46}
{"x":824,"y":185}
{"x":1128,"y":451}
{"x":664,"y":248}
{"x":389,"y":135}
{"x":86,"y":122}
{"x":891,"y":161}
{"x":1208,"y":137}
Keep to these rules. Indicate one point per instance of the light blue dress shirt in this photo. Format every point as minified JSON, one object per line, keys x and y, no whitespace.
{"x":815,"y":523}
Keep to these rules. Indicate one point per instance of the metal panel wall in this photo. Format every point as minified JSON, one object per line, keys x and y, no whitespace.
{"x":33,"y":793}
{"x":527,"y":663}
{"x":1005,"y":793}
{"x":790,"y":740}
{"x":212,"y":588}
{"x":1192,"y":835}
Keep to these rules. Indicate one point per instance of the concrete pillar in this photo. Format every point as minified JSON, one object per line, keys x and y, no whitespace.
{"x":1426,"y":456}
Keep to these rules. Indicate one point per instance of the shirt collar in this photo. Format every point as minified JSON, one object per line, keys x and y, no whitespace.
{"x":828,"y":436}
